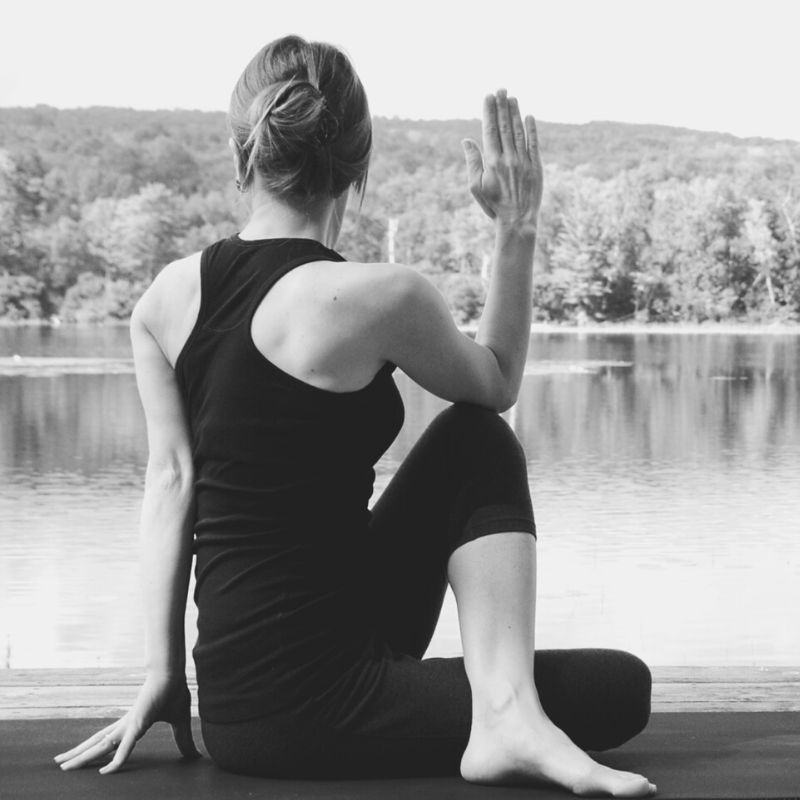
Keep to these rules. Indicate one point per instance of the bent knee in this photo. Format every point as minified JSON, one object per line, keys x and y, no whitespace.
{"x":477,"y":424}
{"x":468,"y":414}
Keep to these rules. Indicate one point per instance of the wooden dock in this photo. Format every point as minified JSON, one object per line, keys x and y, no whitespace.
{"x":74,"y":693}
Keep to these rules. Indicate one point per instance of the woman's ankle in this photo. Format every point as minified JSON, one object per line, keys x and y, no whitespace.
{"x":497,"y":696}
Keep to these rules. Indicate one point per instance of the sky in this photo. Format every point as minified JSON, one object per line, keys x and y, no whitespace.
{"x":704,"y":64}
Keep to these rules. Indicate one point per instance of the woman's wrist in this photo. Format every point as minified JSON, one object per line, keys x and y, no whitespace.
{"x":515,"y":243}
{"x":166,"y":669}
{"x":517,"y":232}
{"x":165,"y":678}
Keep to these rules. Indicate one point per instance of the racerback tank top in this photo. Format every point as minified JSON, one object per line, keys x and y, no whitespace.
{"x":284,"y":473}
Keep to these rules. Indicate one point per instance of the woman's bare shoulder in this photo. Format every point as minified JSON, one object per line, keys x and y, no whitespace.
{"x":169,"y":307}
{"x":359,"y":291}
{"x":382,"y":285}
{"x":401,"y":295}
{"x":410,"y":325}
{"x":182,"y":276}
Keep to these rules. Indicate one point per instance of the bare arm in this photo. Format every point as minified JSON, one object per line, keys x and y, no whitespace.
{"x":165,"y":536}
{"x":420,"y":336}
{"x":165,"y":556}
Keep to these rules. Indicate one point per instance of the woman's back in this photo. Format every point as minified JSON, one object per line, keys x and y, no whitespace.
{"x":284,"y":475}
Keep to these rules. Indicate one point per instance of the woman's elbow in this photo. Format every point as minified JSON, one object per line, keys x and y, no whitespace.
{"x":498,"y":398}
{"x":505,"y":401}
{"x":172,"y":475}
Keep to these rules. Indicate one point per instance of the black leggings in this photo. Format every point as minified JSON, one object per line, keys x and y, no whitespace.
{"x":465,"y":478}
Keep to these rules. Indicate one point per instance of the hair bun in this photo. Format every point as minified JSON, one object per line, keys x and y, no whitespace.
{"x":300,"y":119}
{"x":327,"y":127}
{"x":287,"y":105}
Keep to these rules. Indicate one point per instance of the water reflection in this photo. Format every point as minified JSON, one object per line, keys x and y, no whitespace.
{"x":663,"y":470}
{"x":75,"y":424}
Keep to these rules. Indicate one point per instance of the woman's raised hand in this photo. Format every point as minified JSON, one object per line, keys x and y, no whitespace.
{"x":159,"y":700}
{"x":507,"y":180}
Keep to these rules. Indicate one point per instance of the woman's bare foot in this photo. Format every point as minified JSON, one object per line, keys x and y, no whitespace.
{"x":514,"y":742}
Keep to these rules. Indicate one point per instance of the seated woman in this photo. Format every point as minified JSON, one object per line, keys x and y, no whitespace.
{"x":265,"y":367}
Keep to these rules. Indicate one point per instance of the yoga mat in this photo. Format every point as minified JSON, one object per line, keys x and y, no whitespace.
{"x":689,"y":756}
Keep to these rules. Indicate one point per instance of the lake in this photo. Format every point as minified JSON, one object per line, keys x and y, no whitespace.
{"x":663,"y":468}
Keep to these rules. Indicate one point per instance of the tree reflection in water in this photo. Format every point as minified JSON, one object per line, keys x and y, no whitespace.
{"x":663,"y":470}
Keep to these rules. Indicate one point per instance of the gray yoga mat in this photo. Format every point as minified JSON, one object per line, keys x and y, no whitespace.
{"x":702,"y":756}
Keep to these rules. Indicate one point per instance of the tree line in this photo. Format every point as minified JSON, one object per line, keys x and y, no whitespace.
{"x":645,"y":223}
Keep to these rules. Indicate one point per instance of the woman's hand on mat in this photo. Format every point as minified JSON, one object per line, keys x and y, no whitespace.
{"x":507,"y":179}
{"x":161,"y":699}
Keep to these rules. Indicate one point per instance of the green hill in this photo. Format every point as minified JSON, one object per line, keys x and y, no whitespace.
{"x":639,"y":221}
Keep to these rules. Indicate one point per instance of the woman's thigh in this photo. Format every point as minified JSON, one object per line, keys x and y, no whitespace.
{"x":418,"y":719}
{"x":465,"y":477}
{"x":413,"y":722}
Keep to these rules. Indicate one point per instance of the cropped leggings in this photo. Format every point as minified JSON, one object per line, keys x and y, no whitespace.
{"x":465,"y":478}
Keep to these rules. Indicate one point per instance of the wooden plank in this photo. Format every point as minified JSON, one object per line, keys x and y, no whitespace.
{"x":100,"y":711}
{"x":111,"y":676}
{"x":75,"y":693}
{"x":67,"y":696}
{"x":90,"y":712}
{"x":721,"y":706}
{"x":72,"y":693}
{"x":726,"y":674}
{"x":135,"y":675}
{"x":726,"y":696}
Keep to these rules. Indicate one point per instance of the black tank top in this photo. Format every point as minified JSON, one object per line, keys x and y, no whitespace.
{"x":284,"y":473}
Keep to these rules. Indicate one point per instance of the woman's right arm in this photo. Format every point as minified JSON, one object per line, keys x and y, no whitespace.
{"x":418,"y":333}
{"x":165,"y":544}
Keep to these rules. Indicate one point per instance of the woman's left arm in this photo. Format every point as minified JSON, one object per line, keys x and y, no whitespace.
{"x":165,"y":557}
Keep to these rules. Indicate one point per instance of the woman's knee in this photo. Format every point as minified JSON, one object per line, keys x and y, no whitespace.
{"x":480,"y":429}
{"x":468,"y":415}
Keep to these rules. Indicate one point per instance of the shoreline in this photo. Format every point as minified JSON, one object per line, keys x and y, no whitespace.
{"x":592,"y":328}
{"x":642,"y":328}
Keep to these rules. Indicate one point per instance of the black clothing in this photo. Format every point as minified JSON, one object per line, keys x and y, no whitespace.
{"x":313,"y":613}
{"x":413,"y":716}
{"x":600,"y":698}
{"x":284,"y":475}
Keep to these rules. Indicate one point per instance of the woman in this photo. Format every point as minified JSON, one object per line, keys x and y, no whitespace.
{"x":265,"y":370}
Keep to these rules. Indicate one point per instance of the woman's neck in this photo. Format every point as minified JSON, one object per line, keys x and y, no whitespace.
{"x":273,"y":219}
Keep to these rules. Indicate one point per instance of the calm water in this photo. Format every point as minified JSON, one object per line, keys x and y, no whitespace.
{"x":664,"y":471}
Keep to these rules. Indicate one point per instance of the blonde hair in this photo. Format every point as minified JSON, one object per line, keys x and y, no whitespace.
{"x":300,"y":119}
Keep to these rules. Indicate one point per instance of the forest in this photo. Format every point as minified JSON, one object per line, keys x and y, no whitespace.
{"x":639,"y":223}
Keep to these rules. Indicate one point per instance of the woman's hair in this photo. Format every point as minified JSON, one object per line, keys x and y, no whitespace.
{"x":300,"y":118}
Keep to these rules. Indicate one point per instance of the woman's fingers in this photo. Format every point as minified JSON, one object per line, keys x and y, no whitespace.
{"x":83,"y":746}
{"x":184,"y":739}
{"x":181,"y":722}
{"x":506,"y":132}
{"x":507,"y":181}
{"x":491,"y":135}
{"x":475,"y":174}
{"x":123,"y":751}
{"x":533,"y":139}
{"x":517,"y":126}
{"x":86,"y":753}
{"x":157,"y":700}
